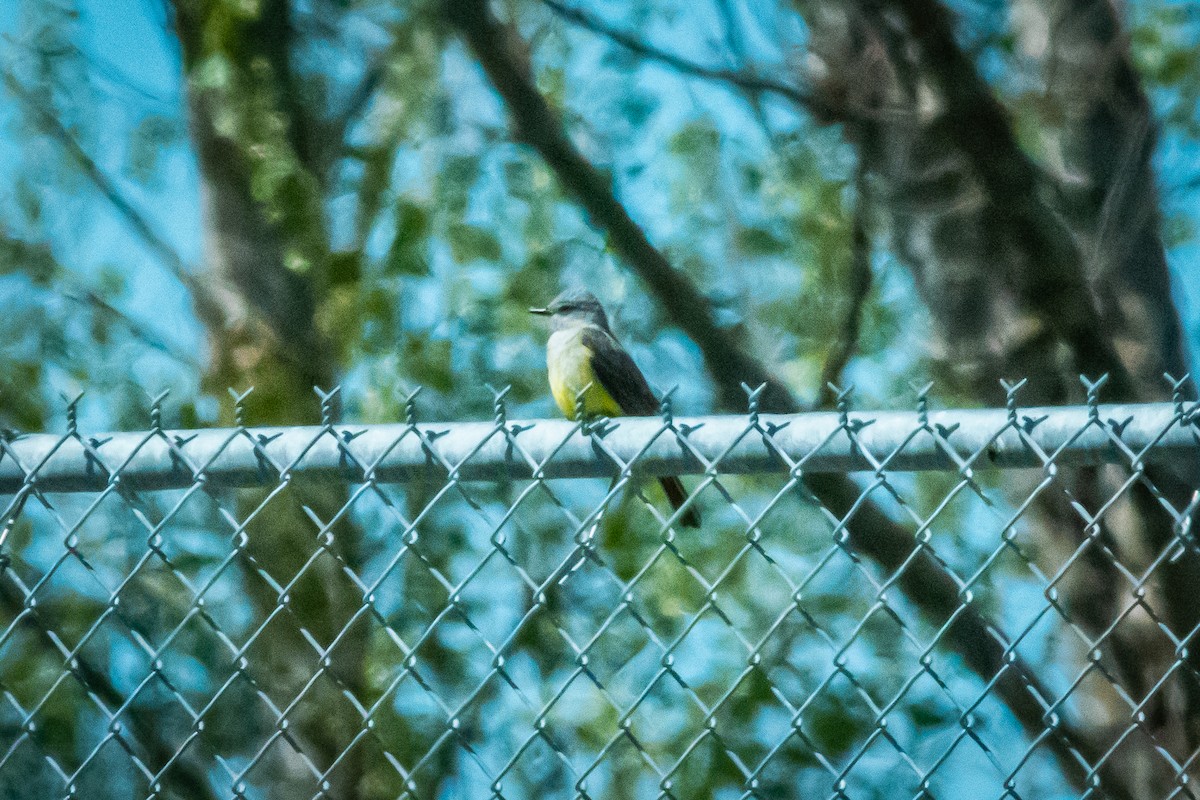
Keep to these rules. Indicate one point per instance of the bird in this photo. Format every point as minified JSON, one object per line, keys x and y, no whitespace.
{"x":588,"y":367}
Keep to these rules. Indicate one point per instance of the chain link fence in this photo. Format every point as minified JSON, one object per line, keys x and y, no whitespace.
{"x":966,"y":603}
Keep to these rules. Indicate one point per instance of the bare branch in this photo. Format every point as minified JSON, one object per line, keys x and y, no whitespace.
{"x":1108,"y":138}
{"x":359,"y":99}
{"x":735,"y":40}
{"x":52,"y":127}
{"x":746,"y":80}
{"x":860,"y":287}
{"x":90,"y":299}
{"x":203,"y":298}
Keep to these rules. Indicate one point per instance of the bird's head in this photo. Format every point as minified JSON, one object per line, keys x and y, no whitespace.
{"x":574,"y":307}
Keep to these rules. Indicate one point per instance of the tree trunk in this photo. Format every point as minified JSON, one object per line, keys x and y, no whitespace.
{"x":264,"y":251}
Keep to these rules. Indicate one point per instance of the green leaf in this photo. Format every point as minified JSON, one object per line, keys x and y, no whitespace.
{"x":412,"y":222}
{"x":148,"y":142}
{"x":759,"y":242}
{"x":406,"y":256}
{"x":458,"y":174}
{"x":33,"y":259}
{"x":345,"y":267}
{"x":470,"y":242}
{"x":834,"y":727}
{"x":111,"y":281}
{"x":428,"y":361}
{"x":696,"y":140}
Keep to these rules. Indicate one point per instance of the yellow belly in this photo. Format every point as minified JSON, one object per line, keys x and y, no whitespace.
{"x":569,"y":363}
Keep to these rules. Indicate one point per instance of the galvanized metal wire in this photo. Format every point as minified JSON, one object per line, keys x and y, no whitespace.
{"x":507,"y":608}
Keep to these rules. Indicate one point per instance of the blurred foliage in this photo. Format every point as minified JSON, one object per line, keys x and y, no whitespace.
{"x":423,"y":234}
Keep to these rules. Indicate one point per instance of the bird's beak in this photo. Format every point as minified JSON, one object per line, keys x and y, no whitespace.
{"x":543,"y":312}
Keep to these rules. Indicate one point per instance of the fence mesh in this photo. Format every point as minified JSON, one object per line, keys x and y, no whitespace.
{"x":950,"y":604}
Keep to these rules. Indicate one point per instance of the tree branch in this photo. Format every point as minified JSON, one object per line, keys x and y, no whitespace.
{"x":359,"y":100}
{"x":871,"y":531}
{"x":538,"y":126}
{"x":186,"y":772}
{"x":1056,"y":286}
{"x":166,"y":254}
{"x":87,"y":297}
{"x":860,"y":287}
{"x":1110,"y":141}
{"x":746,"y":80}
{"x":1056,"y":281}
{"x":51,"y":126}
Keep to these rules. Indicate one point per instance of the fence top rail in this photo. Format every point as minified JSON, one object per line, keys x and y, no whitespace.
{"x":852,"y":441}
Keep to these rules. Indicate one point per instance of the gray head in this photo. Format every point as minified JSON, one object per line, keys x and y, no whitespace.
{"x":574,"y":307}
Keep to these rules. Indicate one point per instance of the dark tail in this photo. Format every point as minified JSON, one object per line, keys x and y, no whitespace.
{"x":676,"y":494}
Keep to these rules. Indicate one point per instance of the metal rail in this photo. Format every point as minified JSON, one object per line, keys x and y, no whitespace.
{"x":1161,"y":433}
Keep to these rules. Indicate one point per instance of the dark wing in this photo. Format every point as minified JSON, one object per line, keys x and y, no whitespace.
{"x":676,"y":494}
{"x":618,"y":375}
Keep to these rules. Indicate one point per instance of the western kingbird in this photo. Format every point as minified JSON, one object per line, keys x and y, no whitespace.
{"x":586,"y":362}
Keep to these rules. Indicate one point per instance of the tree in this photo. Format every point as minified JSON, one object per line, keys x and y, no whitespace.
{"x":382,"y":188}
